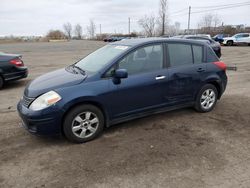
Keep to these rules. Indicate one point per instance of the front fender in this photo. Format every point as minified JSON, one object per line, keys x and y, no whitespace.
{"x":84,"y":94}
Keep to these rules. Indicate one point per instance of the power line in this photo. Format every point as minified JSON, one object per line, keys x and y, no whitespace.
{"x":221,"y":8}
{"x":212,"y":9}
{"x":178,"y":11}
{"x":218,"y":6}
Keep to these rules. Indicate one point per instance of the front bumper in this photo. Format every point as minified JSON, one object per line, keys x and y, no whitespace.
{"x":46,"y":122}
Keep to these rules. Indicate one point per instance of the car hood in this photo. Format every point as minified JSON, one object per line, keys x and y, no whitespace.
{"x":52,"y":81}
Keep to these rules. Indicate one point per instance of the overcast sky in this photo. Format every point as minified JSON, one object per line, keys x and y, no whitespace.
{"x":36,"y":17}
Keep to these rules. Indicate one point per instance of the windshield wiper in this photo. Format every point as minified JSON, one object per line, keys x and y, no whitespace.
{"x":79,"y":69}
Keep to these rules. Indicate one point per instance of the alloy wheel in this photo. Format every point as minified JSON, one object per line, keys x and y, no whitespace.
{"x":84,"y":125}
{"x":208,"y":99}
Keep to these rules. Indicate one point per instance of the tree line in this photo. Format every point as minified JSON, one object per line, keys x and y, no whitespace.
{"x":70,"y":32}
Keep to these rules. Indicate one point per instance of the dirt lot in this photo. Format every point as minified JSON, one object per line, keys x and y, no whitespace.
{"x":175,"y":149}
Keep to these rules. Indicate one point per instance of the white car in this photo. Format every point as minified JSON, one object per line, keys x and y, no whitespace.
{"x":240,"y":38}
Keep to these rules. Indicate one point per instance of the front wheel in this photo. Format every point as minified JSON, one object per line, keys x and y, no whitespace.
{"x":83,"y":123}
{"x":206,"y":98}
{"x":230,"y":43}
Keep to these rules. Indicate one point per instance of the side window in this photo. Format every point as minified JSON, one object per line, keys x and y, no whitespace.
{"x":211,"y":56}
{"x":239,"y":36}
{"x":180,"y":54}
{"x":245,"y":35}
{"x":198,"y":54}
{"x":144,"y":59}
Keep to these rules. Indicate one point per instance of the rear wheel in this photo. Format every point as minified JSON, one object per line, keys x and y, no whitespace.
{"x":230,"y":43}
{"x":206,"y":99}
{"x":1,"y":82}
{"x":83,"y":123}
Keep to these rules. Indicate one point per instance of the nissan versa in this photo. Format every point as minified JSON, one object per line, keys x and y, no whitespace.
{"x":122,"y":81}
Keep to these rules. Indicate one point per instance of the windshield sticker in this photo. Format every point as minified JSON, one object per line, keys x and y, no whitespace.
{"x":121,"y":47}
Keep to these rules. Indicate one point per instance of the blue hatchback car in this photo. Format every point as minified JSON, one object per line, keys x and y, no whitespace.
{"x":122,"y":81}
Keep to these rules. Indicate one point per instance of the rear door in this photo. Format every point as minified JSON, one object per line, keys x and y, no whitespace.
{"x":186,"y":69}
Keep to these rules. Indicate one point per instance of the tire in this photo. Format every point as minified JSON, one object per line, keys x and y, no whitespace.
{"x":1,"y":82}
{"x":83,"y":123}
{"x":230,"y":43}
{"x":206,"y":98}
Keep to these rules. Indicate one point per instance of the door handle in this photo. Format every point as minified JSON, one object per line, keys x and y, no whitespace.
{"x":160,"y":77}
{"x":200,"y":70}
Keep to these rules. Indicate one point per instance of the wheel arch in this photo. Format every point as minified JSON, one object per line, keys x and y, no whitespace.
{"x":215,"y":83}
{"x":218,"y":87}
{"x":86,"y":102}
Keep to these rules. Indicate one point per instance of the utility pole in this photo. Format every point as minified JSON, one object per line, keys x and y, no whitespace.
{"x":129,"y":26}
{"x":189,"y":13}
{"x":100,"y":29}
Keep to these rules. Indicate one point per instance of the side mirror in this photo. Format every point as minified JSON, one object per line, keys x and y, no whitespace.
{"x":119,"y":74}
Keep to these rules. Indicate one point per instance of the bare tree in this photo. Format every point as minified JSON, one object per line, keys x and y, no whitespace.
{"x":68,"y":29}
{"x":78,"y":31}
{"x":216,"y":20}
{"x":91,"y":29}
{"x":162,"y":21}
{"x":148,"y":24}
{"x":209,"y":21}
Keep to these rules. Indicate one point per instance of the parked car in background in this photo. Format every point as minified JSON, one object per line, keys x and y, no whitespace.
{"x":122,"y":81}
{"x":219,"y":37}
{"x":204,"y":35}
{"x":214,"y":45}
{"x":113,"y":39}
{"x":11,"y":68}
{"x":240,"y":38}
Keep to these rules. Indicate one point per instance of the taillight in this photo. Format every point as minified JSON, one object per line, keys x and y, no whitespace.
{"x":17,"y":62}
{"x":220,"y":65}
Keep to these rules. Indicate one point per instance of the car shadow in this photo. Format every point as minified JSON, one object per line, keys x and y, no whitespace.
{"x":15,"y":84}
{"x":113,"y":130}
{"x":140,"y":122}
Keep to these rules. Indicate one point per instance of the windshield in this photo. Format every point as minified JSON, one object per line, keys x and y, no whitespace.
{"x":95,"y":61}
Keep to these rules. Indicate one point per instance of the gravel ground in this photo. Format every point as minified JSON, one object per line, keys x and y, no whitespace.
{"x":181,"y":148}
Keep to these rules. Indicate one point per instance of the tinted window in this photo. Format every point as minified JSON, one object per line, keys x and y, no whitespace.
{"x":245,"y":35}
{"x":211,"y":56}
{"x":198,"y":54}
{"x":143,"y":60}
{"x":238,"y":36}
{"x":180,"y":54}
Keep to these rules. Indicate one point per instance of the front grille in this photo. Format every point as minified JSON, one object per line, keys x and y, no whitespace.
{"x":27,"y":101}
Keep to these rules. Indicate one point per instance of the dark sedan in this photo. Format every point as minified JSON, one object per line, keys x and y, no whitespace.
{"x":11,"y":68}
{"x":213,"y":44}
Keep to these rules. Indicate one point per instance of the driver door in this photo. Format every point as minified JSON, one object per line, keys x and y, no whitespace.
{"x":142,"y":90}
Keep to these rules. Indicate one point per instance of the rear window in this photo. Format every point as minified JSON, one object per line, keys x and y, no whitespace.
{"x":180,"y":54}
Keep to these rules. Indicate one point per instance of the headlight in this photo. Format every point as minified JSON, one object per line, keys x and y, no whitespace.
{"x":45,"y":101}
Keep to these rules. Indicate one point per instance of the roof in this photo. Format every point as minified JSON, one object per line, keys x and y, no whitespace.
{"x":142,"y":41}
